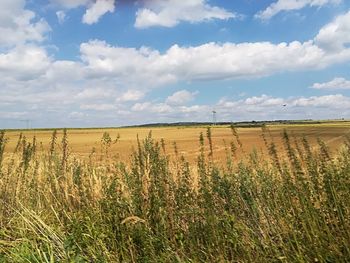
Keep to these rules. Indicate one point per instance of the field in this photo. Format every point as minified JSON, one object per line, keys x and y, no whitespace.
{"x":81,"y":142}
{"x":220,"y":194}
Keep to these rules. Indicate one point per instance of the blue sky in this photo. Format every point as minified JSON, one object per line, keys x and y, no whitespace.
{"x":88,"y":63}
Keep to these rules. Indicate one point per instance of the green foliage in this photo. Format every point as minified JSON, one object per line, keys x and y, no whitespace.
{"x":57,"y":208}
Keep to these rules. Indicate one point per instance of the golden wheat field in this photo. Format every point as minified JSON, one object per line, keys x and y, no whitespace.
{"x":83,"y":141}
{"x":287,"y":201}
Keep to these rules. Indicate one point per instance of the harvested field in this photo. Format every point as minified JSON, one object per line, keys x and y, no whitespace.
{"x":82,"y":141}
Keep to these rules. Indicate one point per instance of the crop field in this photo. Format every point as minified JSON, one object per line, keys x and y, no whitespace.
{"x":83,"y":141}
{"x":276,"y":193}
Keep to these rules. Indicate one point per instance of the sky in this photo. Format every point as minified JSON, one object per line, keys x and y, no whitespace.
{"x":88,"y":63}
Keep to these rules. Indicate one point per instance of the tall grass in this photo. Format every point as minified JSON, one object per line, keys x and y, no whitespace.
{"x":289,"y":206}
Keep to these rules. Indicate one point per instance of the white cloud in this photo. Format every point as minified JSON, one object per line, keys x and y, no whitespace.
{"x":213,"y":61}
{"x":172,"y":107}
{"x":336,"y":83}
{"x":95,"y":93}
{"x":288,"y":5}
{"x":264,"y":100}
{"x":139,"y":70}
{"x":130,"y":95}
{"x":142,"y":64}
{"x":206,"y":62}
{"x":14,"y":114}
{"x":330,"y":102}
{"x":96,"y":10}
{"x":77,"y":115}
{"x":98,"y":107}
{"x":181,"y":97}
{"x":61,"y":16}
{"x":107,"y":78}
{"x":335,"y":36}
{"x":267,"y":107}
{"x":168,"y":13}
{"x":19,"y":25}
{"x":24,"y":63}
{"x":194,"y":109}
{"x":262,"y":107}
{"x":141,"y":106}
{"x":152,"y":108}
{"x":64,"y":71}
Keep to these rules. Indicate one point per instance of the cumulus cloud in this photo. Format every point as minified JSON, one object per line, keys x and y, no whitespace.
{"x":335,"y":36}
{"x":210,"y":61}
{"x":106,"y":79}
{"x":149,"y":68}
{"x":336,"y":83}
{"x":213,"y":61}
{"x":19,"y":25}
{"x":169,"y":13}
{"x":288,"y":5}
{"x":144,"y":64}
{"x":97,"y":10}
{"x":24,"y":63}
{"x":181,"y":97}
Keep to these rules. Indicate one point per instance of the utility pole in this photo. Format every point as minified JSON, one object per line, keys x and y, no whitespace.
{"x":214,"y":117}
{"x":27,"y":123}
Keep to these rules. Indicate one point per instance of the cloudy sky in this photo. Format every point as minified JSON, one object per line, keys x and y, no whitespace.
{"x":84,"y":63}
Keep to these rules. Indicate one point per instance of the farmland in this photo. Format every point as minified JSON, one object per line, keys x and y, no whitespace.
{"x":82,"y":141}
{"x":210,"y":198}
